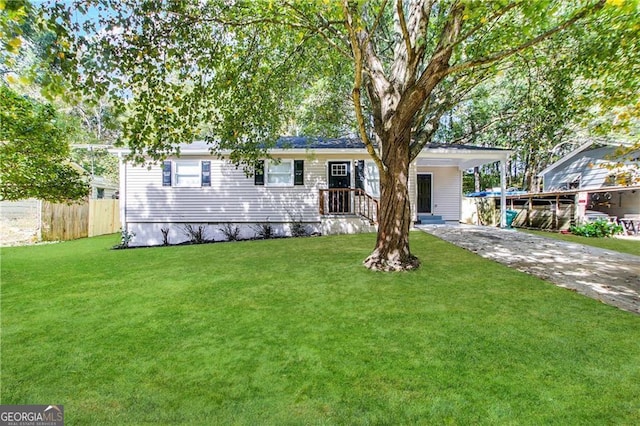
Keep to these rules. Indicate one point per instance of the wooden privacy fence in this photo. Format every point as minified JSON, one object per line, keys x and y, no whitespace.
{"x":104,"y":217}
{"x":69,"y":222}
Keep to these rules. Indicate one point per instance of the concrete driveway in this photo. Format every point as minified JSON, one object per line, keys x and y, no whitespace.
{"x":605,"y":275}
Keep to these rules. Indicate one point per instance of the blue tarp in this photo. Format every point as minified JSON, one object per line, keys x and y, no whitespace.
{"x":493,"y":193}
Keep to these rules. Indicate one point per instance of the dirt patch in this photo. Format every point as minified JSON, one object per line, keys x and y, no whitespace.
{"x":605,"y":275}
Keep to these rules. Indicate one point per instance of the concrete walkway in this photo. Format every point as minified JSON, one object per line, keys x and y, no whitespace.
{"x":605,"y":275}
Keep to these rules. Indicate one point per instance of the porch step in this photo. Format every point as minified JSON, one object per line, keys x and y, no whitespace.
{"x":427,"y":219}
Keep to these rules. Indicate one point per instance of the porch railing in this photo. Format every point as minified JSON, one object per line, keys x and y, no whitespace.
{"x":348,"y":201}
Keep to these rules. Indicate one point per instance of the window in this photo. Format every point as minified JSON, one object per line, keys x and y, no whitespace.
{"x":186,"y":173}
{"x":339,"y":170}
{"x":282,"y":173}
{"x":258,"y":173}
{"x":279,"y":173}
{"x":570,"y":182}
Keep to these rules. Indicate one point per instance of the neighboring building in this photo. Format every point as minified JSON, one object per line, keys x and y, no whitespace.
{"x":601,"y":181}
{"x":103,"y":188}
{"x":328,"y":185}
{"x":20,"y":221}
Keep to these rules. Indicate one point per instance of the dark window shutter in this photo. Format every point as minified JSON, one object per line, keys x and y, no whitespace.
{"x":360,"y":174}
{"x":205,"y":178}
{"x":166,"y":173}
{"x":298,"y":172}
{"x":258,"y":174}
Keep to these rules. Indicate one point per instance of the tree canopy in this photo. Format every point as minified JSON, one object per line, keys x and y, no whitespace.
{"x":34,"y":152}
{"x":41,"y":118}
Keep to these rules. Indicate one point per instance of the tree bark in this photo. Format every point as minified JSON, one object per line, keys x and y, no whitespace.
{"x":392,"y":252}
{"x":476,"y":178}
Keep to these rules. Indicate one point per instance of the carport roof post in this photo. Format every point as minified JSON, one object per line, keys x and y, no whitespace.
{"x":503,"y":192}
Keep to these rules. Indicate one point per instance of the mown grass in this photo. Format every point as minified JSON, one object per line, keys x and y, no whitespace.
{"x":298,"y":332}
{"x":615,"y":244}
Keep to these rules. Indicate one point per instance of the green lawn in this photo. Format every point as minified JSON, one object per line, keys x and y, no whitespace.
{"x":615,"y":244}
{"x":298,"y":332}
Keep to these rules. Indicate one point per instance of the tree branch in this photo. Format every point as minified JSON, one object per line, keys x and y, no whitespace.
{"x":256,"y":21}
{"x":419,"y":143}
{"x":508,"y":52}
{"x":437,"y":68}
{"x":405,"y":32}
{"x":420,"y":31}
{"x":376,"y":23}
{"x":318,"y":29}
{"x":357,"y":87}
{"x":484,"y":127}
{"x":479,"y":26}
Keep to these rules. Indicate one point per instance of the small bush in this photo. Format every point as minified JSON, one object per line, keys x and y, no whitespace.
{"x":165,"y":236}
{"x":231,"y":232}
{"x":263,"y":230}
{"x":195,"y":235}
{"x":597,"y":229}
{"x":125,"y":239}
{"x":298,"y":229}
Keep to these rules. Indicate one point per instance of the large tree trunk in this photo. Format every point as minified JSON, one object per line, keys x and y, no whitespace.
{"x":392,"y":251}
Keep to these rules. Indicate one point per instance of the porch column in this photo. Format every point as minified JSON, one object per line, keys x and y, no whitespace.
{"x":503,"y":193}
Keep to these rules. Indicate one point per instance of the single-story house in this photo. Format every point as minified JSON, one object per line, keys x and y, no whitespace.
{"x":603,"y":182}
{"x":326,"y":185}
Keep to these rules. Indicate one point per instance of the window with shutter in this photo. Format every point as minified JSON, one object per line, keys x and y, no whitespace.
{"x":360,"y":174}
{"x":205,"y":179}
{"x":298,"y":172}
{"x":258,"y":174}
{"x":279,"y":173}
{"x":166,"y":173}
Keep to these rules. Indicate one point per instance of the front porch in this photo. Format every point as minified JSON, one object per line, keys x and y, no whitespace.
{"x":348,"y":202}
{"x":347,"y":211}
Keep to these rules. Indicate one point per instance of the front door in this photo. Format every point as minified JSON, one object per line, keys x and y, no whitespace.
{"x":339,"y":178}
{"x":424,"y":193}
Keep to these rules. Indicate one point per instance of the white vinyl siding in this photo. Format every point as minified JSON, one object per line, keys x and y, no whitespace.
{"x":232,"y":197}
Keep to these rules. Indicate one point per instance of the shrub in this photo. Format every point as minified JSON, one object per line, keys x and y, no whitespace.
{"x":125,"y":239}
{"x":298,"y":229}
{"x":263,"y":230}
{"x":598,"y":229}
{"x":165,"y":236}
{"x":195,"y":235}
{"x":231,"y":232}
